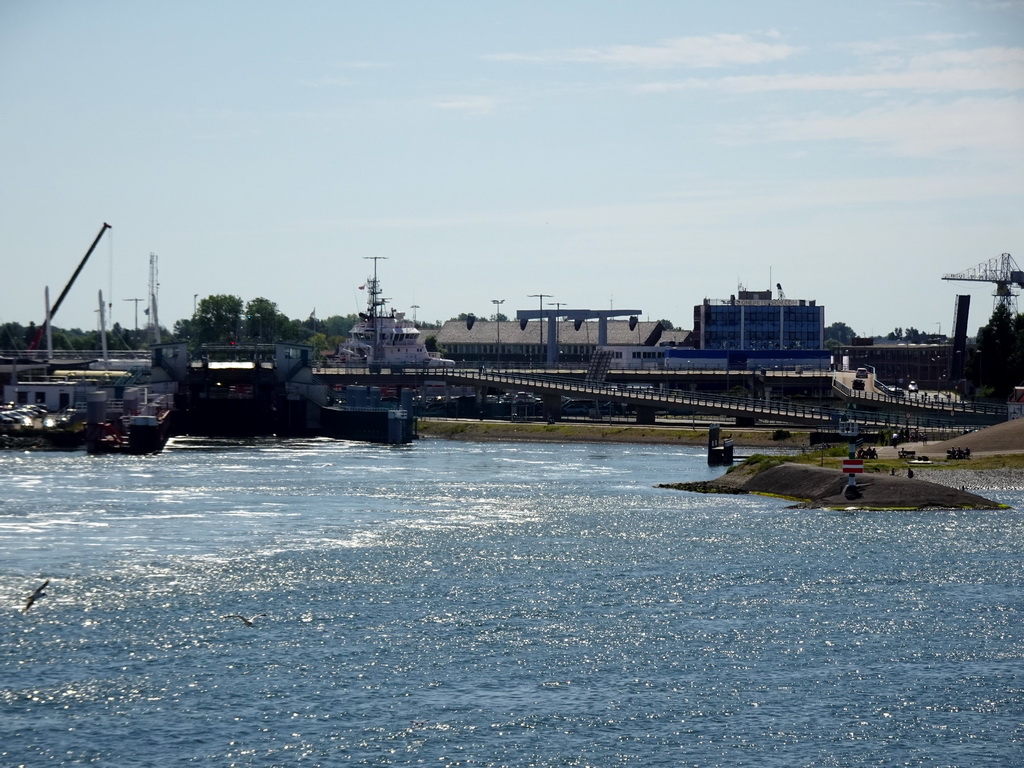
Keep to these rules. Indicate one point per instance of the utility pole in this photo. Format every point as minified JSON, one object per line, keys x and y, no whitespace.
{"x":497,"y":316}
{"x":136,"y":311}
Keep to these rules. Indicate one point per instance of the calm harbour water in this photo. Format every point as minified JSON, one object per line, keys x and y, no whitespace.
{"x":491,"y":605}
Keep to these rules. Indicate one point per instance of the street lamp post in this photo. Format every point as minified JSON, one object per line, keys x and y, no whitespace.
{"x":540,"y":297}
{"x":497,"y":316}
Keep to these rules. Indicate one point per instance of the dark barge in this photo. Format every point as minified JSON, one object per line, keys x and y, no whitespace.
{"x":270,"y":390}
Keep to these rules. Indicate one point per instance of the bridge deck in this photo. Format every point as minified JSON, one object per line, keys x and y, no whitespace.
{"x":869,"y":409}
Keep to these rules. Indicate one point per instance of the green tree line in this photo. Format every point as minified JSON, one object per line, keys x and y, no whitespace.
{"x":218,"y":319}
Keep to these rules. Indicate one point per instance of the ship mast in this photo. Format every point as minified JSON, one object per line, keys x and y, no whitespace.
{"x":376,"y":306}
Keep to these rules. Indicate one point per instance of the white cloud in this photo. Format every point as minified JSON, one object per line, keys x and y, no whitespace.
{"x":698,"y":52}
{"x":916,"y":130}
{"x":478,"y":105}
{"x":983,"y":69}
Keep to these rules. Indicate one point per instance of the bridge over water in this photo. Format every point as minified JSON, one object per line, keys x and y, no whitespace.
{"x":868,"y":409}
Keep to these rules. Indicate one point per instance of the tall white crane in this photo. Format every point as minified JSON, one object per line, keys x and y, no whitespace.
{"x":154,"y":289}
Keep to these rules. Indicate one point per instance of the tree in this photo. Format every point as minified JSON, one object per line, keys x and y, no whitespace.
{"x":321,"y":344}
{"x":118,"y":338}
{"x":217,"y":320}
{"x":296,"y":331}
{"x":183,"y":328}
{"x":339,"y":325}
{"x":1017,"y":353}
{"x":996,"y":362}
{"x":12,"y":336}
{"x":667,"y":325}
{"x":263,"y":321}
{"x":841,"y":333}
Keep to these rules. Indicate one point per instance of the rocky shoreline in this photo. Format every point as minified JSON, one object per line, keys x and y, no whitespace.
{"x":975,"y":479}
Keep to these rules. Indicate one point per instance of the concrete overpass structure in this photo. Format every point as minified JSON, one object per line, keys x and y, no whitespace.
{"x":868,"y":408}
{"x":578,"y":316}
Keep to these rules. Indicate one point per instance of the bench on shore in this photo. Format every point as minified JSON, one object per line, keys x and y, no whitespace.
{"x":905,"y":454}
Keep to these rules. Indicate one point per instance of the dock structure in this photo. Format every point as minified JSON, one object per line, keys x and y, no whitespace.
{"x":364,"y":416}
{"x":720,"y":452}
{"x":271,"y":390}
{"x":135,"y":424}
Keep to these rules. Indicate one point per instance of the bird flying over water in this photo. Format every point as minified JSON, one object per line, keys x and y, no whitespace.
{"x":247,"y":622}
{"x":35,"y":596}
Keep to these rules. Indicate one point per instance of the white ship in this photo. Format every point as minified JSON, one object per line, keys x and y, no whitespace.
{"x":385,"y":338}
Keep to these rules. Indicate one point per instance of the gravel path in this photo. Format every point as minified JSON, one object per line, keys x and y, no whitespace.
{"x":974,"y":479}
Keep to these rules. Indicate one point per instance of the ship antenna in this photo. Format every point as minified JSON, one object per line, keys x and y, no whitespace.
{"x":375,"y":312}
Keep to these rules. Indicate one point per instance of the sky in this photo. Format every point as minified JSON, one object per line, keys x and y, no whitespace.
{"x":643,"y":155}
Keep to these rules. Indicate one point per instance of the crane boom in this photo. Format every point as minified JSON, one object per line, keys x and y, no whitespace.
{"x":1002,"y":270}
{"x":53,"y":311}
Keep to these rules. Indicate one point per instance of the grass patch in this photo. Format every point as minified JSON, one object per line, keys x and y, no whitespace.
{"x":759,"y":462}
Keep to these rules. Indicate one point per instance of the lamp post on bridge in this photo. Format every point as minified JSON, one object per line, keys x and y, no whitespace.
{"x":497,"y":316}
{"x":540,"y":297}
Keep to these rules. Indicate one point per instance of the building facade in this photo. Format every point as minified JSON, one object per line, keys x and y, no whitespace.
{"x":756,"y":321}
{"x":507,"y":342}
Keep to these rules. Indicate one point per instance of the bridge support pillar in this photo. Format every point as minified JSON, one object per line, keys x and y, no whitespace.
{"x":645,"y":414}
{"x":552,"y":406}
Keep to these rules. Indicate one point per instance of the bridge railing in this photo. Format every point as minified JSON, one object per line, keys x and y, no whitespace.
{"x":727,"y":404}
{"x":656,"y":397}
{"x":722,"y":403}
{"x":940,"y":405}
